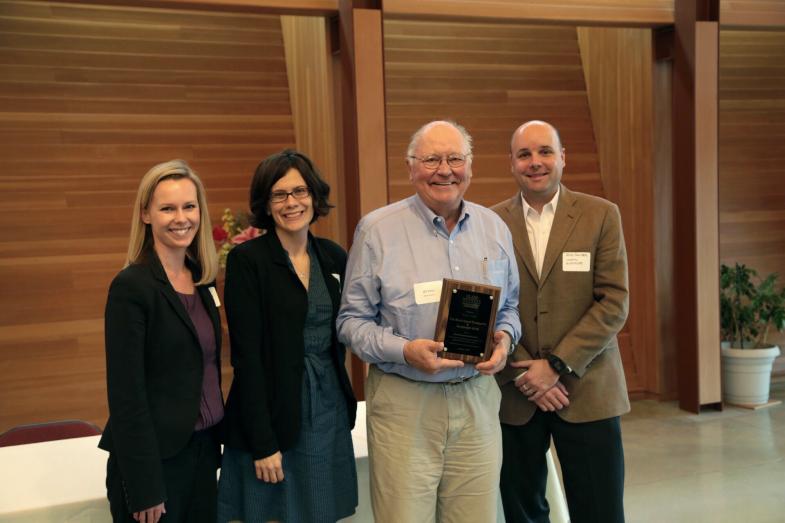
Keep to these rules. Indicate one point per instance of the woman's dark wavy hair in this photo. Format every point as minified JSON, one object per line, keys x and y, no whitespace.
{"x":272,"y":169}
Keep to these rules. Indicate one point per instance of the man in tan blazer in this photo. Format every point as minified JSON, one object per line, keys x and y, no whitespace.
{"x":565,"y":380}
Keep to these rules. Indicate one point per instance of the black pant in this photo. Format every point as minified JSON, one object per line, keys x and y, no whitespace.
{"x":592,"y":463}
{"x":190,"y":479}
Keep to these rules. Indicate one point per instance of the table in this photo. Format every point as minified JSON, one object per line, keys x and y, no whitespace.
{"x":63,"y":482}
{"x":56,"y":481}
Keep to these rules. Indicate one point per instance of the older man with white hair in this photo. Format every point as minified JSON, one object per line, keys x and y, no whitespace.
{"x":433,"y":427}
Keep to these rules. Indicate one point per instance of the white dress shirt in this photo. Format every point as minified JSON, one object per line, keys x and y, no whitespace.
{"x":538,"y":226}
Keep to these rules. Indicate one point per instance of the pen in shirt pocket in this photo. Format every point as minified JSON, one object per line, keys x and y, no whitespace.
{"x":485,"y":267}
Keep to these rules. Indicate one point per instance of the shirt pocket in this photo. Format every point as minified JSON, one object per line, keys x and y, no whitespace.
{"x":497,"y":272}
{"x":398,"y":310}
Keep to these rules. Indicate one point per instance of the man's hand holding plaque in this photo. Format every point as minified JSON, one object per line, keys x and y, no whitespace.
{"x":424,"y":355}
{"x":465,"y":321}
{"x":498,"y":360}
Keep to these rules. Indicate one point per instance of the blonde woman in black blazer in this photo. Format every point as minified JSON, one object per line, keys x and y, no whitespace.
{"x":288,"y":452}
{"x":163,"y":342}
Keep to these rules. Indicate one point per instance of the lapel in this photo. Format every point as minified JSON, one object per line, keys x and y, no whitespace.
{"x":567,"y":213}
{"x":517,"y":224}
{"x":171,"y":296}
{"x":280,"y":258}
{"x":278,"y":254}
{"x":327,"y":264}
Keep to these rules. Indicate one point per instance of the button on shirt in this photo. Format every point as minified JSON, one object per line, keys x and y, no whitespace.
{"x":405,"y":243}
{"x":538,"y":226}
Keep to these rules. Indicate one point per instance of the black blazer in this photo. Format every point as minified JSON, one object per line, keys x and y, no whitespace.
{"x":266,"y":306}
{"x":154,"y":370}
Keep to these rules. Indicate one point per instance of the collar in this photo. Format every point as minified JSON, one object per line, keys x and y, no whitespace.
{"x":431,"y":218}
{"x":156,"y":267}
{"x":553,"y":203}
{"x":281,"y":257}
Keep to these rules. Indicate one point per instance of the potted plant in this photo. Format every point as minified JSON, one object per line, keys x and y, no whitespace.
{"x":749,"y":308}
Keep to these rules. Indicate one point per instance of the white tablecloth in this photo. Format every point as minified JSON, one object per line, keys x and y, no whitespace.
{"x":56,"y":481}
{"x":63,"y":482}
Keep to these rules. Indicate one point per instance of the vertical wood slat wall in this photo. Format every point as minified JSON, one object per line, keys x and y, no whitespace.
{"x":90,"y":98}
{"x":618,"y":67}
{"x":751,"y":157}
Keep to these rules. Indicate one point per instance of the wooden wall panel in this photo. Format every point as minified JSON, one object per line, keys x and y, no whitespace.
{"x":752,"y":13}
{"x":752,"y":157}
{"x":514,"y":74}
{"x":289,"y":7}
{"x":310,"y":71}
{"x":563,"y":12}
{"x":492,"y":77}
{"x":90,"y":98}
{"x":618,"y":67}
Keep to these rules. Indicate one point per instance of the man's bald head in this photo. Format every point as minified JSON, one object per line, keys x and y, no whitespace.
{"x":523,"y":127}
{"x":537,"y":160}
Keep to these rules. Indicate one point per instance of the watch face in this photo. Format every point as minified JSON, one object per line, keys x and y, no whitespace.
{"x":557,"y":364}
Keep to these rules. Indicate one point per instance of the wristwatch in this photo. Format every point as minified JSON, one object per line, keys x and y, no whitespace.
{"x":558,"y":365}
{"x":512,"y":344}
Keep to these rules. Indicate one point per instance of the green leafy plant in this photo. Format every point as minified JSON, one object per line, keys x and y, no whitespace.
{"x":749,"y":306}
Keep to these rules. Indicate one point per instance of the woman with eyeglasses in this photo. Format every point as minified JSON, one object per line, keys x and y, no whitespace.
{"x":288,"y":452}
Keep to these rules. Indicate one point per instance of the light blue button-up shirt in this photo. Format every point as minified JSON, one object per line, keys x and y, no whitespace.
{"x":403,"y":244}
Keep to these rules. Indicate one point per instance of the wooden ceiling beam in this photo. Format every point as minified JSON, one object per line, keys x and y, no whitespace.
{"x":287,"y":7}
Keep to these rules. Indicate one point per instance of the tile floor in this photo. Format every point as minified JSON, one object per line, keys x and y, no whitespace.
{"x":714,"y":467}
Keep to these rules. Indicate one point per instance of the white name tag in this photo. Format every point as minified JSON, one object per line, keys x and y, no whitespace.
{"x":427,"y":292}
{"x":214,"y":294}
{"x":575,"y":261}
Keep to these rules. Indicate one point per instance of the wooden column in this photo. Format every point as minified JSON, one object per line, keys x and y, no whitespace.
{"x":695,"y":203}
{"x":707,"y":217}
{"x":363,"y":118}
{"x":310,"y":74}
{"x":617,"y":64}
{"x":665,"y":263}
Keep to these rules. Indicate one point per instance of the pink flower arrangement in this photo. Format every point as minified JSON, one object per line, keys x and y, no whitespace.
{"x":246,"y":234}
{"x":234,"y":230}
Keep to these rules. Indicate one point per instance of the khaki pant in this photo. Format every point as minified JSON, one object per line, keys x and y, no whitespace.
{"x":434,"y":449}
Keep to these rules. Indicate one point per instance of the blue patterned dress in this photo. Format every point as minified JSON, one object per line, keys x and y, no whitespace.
{"x":320,"y":479}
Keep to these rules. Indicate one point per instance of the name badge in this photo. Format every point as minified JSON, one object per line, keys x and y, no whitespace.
{"x":427,"y":292}
{"x":575,"y":261}
{"x":214,"y":294}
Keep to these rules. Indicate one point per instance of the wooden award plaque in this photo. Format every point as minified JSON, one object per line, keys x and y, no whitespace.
{"x":466,"y":319}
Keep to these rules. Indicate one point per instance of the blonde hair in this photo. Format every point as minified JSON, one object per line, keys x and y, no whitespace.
{"x":140,"y":245}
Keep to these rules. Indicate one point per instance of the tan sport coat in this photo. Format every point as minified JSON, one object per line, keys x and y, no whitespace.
{"x":574,"y":315}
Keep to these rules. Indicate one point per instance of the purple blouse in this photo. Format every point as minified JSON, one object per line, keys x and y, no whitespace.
{"x":211,"y":407}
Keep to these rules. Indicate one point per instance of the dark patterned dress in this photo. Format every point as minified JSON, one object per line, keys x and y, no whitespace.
{"x":320,"y":479}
